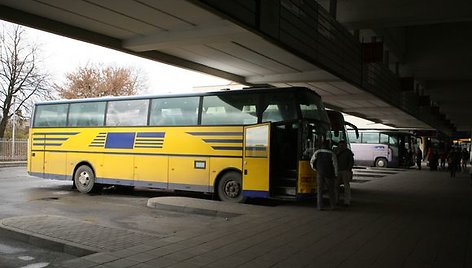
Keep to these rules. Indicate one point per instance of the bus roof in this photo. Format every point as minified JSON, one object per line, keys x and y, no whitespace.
{"x":192,"y":94}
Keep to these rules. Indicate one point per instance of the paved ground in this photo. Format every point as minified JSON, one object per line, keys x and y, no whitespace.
{"x":405,"y":219}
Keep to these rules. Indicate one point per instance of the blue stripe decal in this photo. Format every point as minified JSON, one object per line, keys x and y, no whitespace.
{"x":215,"y":133}
{"x":222,"y":141}
{"x":252,"y":193}
{"x":151,"y":184}
{"x":115,"y":181}
{"x":50,"y":139}
{"x":120,"y":140}
{"x":148,"y":144}
{"x":50,"y":176}
{"x":227,"y":148}
{"x":56,"y":133}
{"x":151,"y":134}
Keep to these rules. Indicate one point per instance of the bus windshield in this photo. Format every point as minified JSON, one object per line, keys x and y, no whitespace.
{"x":312,"y":107}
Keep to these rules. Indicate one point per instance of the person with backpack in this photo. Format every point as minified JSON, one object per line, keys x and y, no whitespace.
{"x":325,"y":164}
{"x":345,"y":159}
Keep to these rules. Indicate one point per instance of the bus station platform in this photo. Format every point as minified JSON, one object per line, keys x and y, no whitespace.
{"x":398,"y":218}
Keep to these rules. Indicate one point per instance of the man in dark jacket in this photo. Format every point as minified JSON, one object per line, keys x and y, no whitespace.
{"x":325,"y":164}
{"x":345,"y":163}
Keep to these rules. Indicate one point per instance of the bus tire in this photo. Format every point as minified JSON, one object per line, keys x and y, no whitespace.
{"x":381,"y":162}
{"x":84,"y":180}
{"x":230,"y":187}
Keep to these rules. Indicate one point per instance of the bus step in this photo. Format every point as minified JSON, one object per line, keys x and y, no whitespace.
{"x":284,"y":197}
{"x":289,"y":173}
{"x":281,"y":190}
{"x":285,"y":182}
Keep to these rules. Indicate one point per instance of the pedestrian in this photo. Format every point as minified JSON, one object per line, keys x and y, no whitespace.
{"x":451,"y":163}
{"x":465,"y":159}
{"x":470,"y":173}
{"x":325,"y":164}
{"x":419,"y":158}
{"x":442,"y":157}
{"x":433,"y":160}
{"x":345,"y":159}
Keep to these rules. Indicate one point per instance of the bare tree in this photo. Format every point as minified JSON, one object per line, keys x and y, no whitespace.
{"x":98,"y":81}
{"x":21,"y":78}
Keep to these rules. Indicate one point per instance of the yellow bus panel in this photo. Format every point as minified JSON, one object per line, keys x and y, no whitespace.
{"x":189,"y":173}
{"x":218,"y":165}
{"x":255,"y":177}
{"x":151,"y":171}
{"x":306,"y":178}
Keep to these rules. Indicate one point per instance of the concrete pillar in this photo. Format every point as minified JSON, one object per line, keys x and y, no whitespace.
{"x":333,"y":6}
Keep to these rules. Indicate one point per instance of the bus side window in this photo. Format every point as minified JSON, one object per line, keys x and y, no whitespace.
{"x":353,"y":138}
{"x":383,"y":138}
{"x":52,"y":115}
{"x":86,"y":114}
{"x":370,"y":137}
{"x":229,"y":110}
{"x":127,"y":113}
{"x":179,"y":111}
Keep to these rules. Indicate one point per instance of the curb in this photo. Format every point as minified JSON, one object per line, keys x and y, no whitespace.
{"x":187,"y":205}
{"x":12,"y":164}
{"x":46,"y":242}
{"x":190,"y":210}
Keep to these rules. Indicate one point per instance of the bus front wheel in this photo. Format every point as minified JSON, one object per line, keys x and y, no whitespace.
{"x":230,"y":187}
{"x":84,"y":179}
{"x":381,"y":162}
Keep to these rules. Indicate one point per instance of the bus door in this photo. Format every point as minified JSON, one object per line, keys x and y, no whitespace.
{"x":256,"y":159}
{"x":37,"y":155}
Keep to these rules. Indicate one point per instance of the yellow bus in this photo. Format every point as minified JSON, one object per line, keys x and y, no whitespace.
{"x":234,"y":144}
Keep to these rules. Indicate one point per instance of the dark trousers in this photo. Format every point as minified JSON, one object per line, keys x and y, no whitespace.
{"x":323,"y":183}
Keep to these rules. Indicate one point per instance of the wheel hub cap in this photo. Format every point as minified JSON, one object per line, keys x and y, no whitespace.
{"x":232,"y":189}
{"x":84,"y":178}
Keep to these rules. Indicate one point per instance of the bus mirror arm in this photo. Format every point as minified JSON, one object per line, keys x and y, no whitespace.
{"x":353,"y":127}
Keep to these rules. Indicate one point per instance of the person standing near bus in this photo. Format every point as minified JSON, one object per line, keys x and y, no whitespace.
{"x":345,"y":159}
{"x":419,"y":158}
{"x":324,"y":162}
{"x":465,"y":159}
{"x":452,"y":162}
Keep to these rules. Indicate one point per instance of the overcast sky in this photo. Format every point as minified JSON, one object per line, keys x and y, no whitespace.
{"x":62,"y":55}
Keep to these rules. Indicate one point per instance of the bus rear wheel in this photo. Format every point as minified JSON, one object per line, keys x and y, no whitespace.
{"x":381,"y":162}
{"x":84,"y":180}
{"x":230,"y":188}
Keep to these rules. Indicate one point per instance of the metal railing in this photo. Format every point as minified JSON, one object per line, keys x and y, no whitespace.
{"x":16,"y":150}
